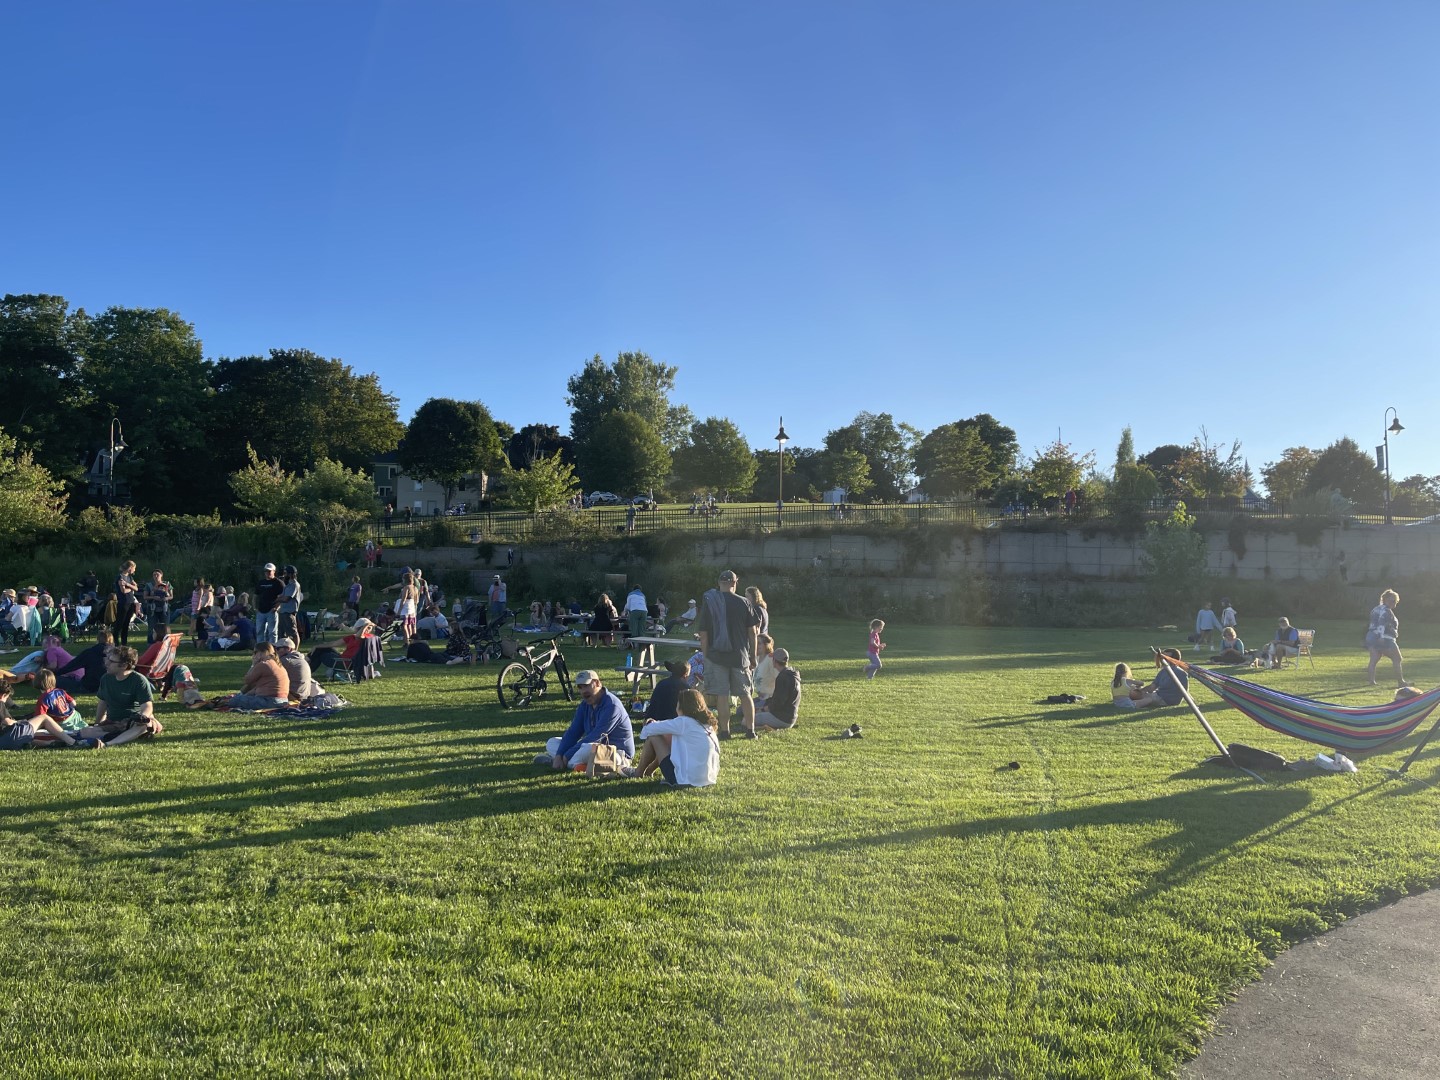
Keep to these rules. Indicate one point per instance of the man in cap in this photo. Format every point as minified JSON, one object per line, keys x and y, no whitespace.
{"x":600,"y":717}
{"x":727,"y":629}
{"x":267,"y":603}
{"x":302,"y":681}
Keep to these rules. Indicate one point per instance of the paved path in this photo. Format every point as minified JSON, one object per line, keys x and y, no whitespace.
{"x":1360,"y":1001}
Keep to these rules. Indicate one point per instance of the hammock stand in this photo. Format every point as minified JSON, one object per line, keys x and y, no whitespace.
{"x":1355,"y":730}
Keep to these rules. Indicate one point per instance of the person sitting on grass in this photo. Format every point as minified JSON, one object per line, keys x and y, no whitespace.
{"x":127,"y":705}
{"x":50,"y":655}
{"x":1125,"y":688}
{"x":664,"y":700}
{"x":266,"y":684}
{"x":302,"y":681}
{"x":86,"y":670}
{"x":17,"y":734}
{"x":783,"y":709}
{"x":684,"y":748}
{"x":600,"y":717}
{"x":1232,"y":649}
{"x":54,"y":703}
{"x":1167,"y":687}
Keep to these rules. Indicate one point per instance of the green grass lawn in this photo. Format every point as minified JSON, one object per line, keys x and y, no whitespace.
{"x":398,"y":891}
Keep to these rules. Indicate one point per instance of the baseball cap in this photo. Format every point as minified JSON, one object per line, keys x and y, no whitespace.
{"x":285,"y":643}
{"x":782,"y":656}
{"x":728,"y":575}
{"x":269,"y":566}
{"x":586,"y":677}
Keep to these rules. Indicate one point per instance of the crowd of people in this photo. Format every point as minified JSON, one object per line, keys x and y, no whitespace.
{"x":688,"y":713}
{"x":1381,"y":641}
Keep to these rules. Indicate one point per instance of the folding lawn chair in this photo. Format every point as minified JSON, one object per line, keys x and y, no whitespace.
{"x":159,"y":658}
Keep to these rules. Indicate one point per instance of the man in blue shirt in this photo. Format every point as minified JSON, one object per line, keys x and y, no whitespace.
{"x":601,"y":717}
{"x":1167,"y":687}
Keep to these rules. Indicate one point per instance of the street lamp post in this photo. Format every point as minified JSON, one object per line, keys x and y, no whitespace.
{"x":1396,"y":427}
{"x":116,"y":446}
{"x":780,"y":440}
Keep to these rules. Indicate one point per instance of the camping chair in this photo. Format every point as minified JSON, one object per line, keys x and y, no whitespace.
{"x":159,"y":658}
{"x":363,"y":665}
{"x":1304,"y":646}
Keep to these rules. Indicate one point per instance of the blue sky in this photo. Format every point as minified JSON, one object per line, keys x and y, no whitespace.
{"x":1071,"y":215}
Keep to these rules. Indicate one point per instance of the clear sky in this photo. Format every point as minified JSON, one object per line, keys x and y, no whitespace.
{"x":1073,"y":215}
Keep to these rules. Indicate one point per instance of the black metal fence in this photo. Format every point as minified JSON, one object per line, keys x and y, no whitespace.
{"x":503,"y":527}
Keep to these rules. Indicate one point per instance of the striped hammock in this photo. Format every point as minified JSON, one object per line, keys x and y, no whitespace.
{"x":1357,"y":730}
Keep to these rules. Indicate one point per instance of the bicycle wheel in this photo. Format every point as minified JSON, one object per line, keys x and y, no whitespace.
{"x":562,"y":672}
{"x":514,"y":686}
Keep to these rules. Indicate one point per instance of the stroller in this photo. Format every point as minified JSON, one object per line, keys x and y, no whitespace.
{"x":489,"y":645}
{"x":472,"y":618}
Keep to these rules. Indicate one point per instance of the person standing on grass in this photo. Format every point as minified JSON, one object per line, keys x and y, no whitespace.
{"x":126,"y":597}
{"x":1382,"y":637}
{"x":783,"y":709}
{"x":158,"y":594}
{"x":291,"y":597}
{"x":1228,"y":618}
{"x":872,"y":650}
{"x":497,"y":598}
{"x":352,"y":596}
{"x":1206,"y":623}
{"x":727,"y":629}
{"x":267,"y":600}
{"x":637,"y":610}
{"x":600,"y":717}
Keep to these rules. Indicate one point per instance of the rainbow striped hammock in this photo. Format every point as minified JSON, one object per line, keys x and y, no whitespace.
{"x":1353,"y":729}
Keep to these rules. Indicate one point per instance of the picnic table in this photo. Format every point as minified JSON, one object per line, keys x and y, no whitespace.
{"x":643,"y":663}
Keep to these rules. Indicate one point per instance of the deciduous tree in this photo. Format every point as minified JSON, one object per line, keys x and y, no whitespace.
{"x":447,"y":440}
{"x":634,"y":383}
{"x":1056,"y":469}
{"x":624,"y":454}
{"x":40,"y":355}
{"x":31,"y":500}
{"x":547,"y":482}
{"x":1286,"y":479}
{"x":1345,"y":468}
{"x":954,"y":460}
{"x":716,"y":457}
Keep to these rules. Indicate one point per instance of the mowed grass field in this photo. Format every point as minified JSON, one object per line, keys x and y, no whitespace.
{"x":398,"y":891}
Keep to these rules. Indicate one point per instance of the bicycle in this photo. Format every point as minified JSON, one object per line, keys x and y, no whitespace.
{"x":524,"y":679}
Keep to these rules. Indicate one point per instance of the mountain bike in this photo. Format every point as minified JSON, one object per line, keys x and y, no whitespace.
{"x":525,"y":679}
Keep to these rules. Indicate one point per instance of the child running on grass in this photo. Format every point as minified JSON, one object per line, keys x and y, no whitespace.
{"x":873,"y":650}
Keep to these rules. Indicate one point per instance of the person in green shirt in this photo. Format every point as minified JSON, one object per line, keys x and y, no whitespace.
{"x":126,"y":711}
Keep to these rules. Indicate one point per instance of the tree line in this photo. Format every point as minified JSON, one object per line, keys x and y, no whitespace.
{"x":258,"y":436}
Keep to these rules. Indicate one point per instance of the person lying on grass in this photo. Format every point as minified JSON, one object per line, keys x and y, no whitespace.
{"x":782,"y":710}
{"x":127,"y":705}
{"x":87,"y":669}
{"x":600,"y":716}
{"x":684,"y":748}
{"x":1166,"y":689}
{"x":17,"y":734}
{"x":1232,"y":649}
{"x":266,"y":684}
{"x":50,"y":655}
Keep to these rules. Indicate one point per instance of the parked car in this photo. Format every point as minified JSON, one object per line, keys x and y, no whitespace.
{"x":602,"y":498}
{"x":643,"y":502}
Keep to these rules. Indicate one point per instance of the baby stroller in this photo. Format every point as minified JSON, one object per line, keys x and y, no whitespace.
{"x":489,"y":645}
{"x":472,"y":618}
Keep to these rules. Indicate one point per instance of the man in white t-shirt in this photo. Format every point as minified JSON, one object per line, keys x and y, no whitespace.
{"x":636,"y":611}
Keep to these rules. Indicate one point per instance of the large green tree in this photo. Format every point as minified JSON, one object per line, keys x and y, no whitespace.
{"x":848,"y":470}
{"x":144,"y":367}
{"x":1344,"y":467}
{"x":1057,"y":468}
{"x":954,"y":460}
{"x":296,"y":407}
{"x":716,"y":457}
{"x":1205,"y":472}
{"x":41,"y":345}
{"x":1286,"y":479}
{"x":1164,"y":463}
{"x":634,"y":383}
{"x":624,"y":454}
{"x":888,"y":449}
{"x":448,"y":440}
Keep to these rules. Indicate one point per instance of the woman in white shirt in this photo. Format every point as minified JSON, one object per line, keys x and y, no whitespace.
{"x":687,"y":752}
{"x":765,"y":671}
